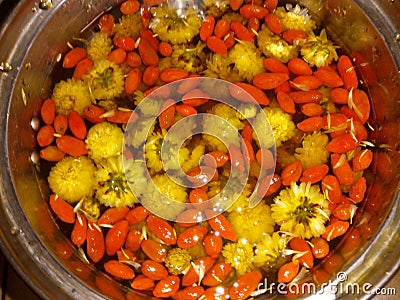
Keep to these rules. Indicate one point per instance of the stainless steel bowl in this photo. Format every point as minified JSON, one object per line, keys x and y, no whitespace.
{"x":31,"y":39}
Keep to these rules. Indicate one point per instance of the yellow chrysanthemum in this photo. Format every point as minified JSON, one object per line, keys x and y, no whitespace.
{"x":213,"y":144}
{"x":164,"y":63}
{"x":234,"y":16}
{"x":153,"y":150}
{"x":91,"y":208}
{"x":252,"y":224}
{"x":273,"y":45}
{"x":239,"y":255}
{"x":295,"y":18}
{"x":113,"y":189}
{"x":280,"y":123}
{"x":150,"y":197}
{"x":173,"y":25}
{"x":219,"y":66}
{"x":99,"y":46}
{"x":105,"y":81}
{"x":177,"y":261}
{"x":128,"y":25}
{"x":189,"y":57}
{"x":104,"y":140}
{"x":215,"y":8}
{"x":319,"y":51}
{"x":191,"y":160}
{"x":71,"y":95}
{"x":150,"y":106}
{"x":246,"y":111}
{"x":301,"y":210}
{"x":227,"y":113}
{"x":215,"y":187}
{"x":169,"y":188}
{"x":269,"y":252}
{"x":136,"y":136}
{"x":242,"y":202}
{"x":225,"y":127}
{"x":72,"y":178}
{"x":284,"y":157}
{"x":215,"y":89}
{"x":138,"y":97}
{"x":326,"y":102}
{"x":313,"y":151}
{"x":247,"y":59}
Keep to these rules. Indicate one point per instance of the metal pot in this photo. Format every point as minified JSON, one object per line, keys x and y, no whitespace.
{"x":31,"y":39}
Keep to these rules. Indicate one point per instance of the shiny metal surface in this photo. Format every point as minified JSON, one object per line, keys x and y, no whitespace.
{"x":30,"y":41}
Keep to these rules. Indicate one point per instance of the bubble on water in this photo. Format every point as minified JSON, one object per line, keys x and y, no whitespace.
{"x":35,"y":157}
{"x":35,"y":123}
{"x":15,"y":230}
{"x":5,"y":67}
{"x":45,"y":4}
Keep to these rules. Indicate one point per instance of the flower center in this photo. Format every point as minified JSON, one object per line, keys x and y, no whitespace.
{"x":305,"y":211}
{"x":105,"y":79}
{"x":117,"y":184}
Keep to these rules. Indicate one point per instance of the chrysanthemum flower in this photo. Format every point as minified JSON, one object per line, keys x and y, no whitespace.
{"x":269,"y":252}
{"x":239,"y":255}
{"x":247,"y":59}
{"x":281,"y":124}
{"x":242,"y":201}
{"x":104,"y":140}
{"x":226,"y":113}
{"x":213,"y":144}
{"x":215,"y":186}
{"x":301,"y":210}
{"x":319,"y":51}
{"x":215,"y":8}
{"x":313,"y":150}
{"x":246,"y":111}
{"x":226,"y":127}
{"x":189,"y":57}
{"x":71,"y":95}
{"x":91,"y":208}
{"x":284,"y":156}
{"x":128,"y":25}
{"x":174,"y":25}
{"x":273,"y":45}
{"x":113,"y":189}
{"x":295,"y":18}
{"x":99,"y":46}
{"x":105,"y":81}
{"x":150,"y":197}
{"x":72,"y":178}
{"x":190,"y":159}
{"x":326,"y":102}
{"x":153,"y":151}
{"x":215,"y":88}
{"x":218,"y":66}
{"x":138,"y":96}
{"x":234,"y":16}
{"x":177,"y":261}
{"x":252,"y":224}
{"x":169,"y":188}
